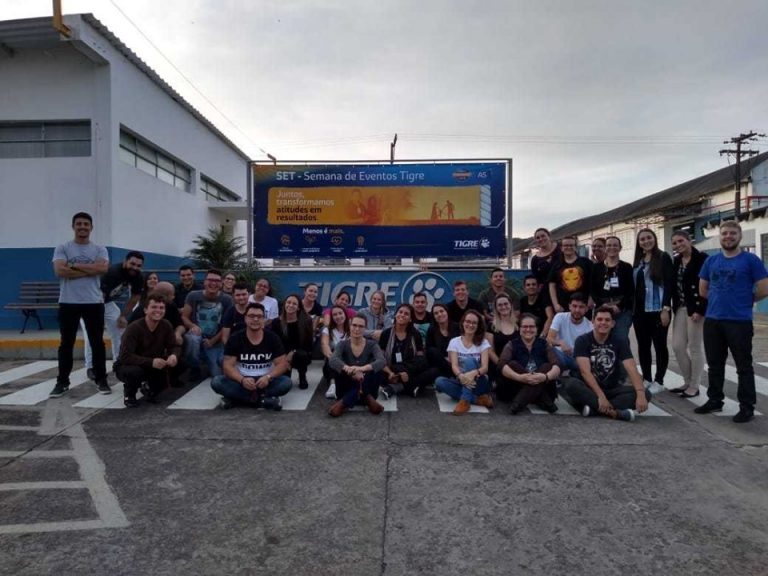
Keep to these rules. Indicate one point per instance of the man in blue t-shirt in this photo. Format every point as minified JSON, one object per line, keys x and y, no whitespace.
{"x":733,"y":281}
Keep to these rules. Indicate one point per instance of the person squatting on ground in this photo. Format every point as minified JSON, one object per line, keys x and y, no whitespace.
{"x":598,"y":389}
{"x":254,"y":366}
{"x":357,"y":363}
{"x":406,"y":369}
{"x":529,"y":370}
{"x":78,"y":264}
{"x":689,"y":308}
{"x":294,"y":326}
{"x":468,"y":354}
{"x":732,"y":280}
{"x":148,"y":353}
{"x":330,"y":337}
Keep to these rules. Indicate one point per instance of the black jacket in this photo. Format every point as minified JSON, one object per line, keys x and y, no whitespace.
{"x":693,"y":300}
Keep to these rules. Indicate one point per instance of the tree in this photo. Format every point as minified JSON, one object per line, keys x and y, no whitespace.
{"x":218,"y":249}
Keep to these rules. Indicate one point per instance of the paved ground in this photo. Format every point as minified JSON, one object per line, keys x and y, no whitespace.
{"x":159,"y":491}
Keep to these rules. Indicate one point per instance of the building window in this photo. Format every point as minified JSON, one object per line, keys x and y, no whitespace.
{"x":215,"y":193}
{"x":152,"y":161}
{"x":45,"y":139}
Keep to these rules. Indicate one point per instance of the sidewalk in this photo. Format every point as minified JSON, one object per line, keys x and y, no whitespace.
{"x":38,"y":345}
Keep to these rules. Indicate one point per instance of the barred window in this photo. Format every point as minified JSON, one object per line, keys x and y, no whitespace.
{"x":148,"y":159}
{"x":215,"y":193}
{"x":45,"y":138}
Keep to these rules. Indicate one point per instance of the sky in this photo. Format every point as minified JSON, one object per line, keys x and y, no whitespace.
{"x":597,"y":102}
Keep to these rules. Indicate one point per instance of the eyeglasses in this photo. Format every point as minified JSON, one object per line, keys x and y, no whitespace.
{"x":213,"y":280}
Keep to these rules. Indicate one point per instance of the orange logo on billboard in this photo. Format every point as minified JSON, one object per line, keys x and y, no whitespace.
{"x":462,"y":175}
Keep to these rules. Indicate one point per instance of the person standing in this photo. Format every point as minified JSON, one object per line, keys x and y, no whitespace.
{"x":536,"y":302}
{"x":690,"y":308}
{"x":78,"y":264}
{"x":462,"y":302}
{"x":187,"y":284}
{"x":569,"y":276}
{"x":496,"y":286}
{"x":613,"y":286}
{"x":732,"y":281}
{"x":547,"y":255}
{"x":598,"y":250}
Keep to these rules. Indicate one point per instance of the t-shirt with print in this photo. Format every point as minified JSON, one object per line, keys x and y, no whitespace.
{"x":208,"y":314}
{"x":731,"y":282}
{"x":83,"y":290}
{"x":570,"y":278}
{"x":119,"y":284}
{"x":474,"y":352}
{"x":254,"y":360}
{"x":605,"y":358}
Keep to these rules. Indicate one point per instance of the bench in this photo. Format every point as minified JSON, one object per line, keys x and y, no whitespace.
{"x":34,"y":296}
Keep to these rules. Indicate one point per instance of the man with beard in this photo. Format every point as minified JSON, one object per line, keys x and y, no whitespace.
{"x":566,"y":327}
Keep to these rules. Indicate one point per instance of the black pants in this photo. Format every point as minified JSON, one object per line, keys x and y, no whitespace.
{"x":352,"y":392}
{"x":301,"y":361}
{"x":69,"y":321}
{"x":523,"y":394}
{"x":417,"y":378}
{"x":133,"y":376}
{"x":579,"y":395}
{"x":649,"y":331}
{"x":719,"y":337}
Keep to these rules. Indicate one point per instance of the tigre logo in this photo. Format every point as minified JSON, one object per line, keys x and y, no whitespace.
{"x":430,"y":283}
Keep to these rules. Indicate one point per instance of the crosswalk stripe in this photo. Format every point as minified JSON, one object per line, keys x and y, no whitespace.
{"x":730,"y":407}
{"x":298,"y":399}
{"x":37,"y":393}
{"x":112,"y":401}
{"x":562,"y":408}
{"x":447,"y":404}
{"x":26,"y":370}
{"x":201,"y":397}
{"x":761,"y":384}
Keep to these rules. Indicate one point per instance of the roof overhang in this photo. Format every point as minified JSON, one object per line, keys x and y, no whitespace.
{"x":231,"y":210}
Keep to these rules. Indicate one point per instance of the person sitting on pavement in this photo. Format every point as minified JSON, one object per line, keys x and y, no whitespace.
{"x":148,"y":352}
{"x":357,"y":363}
{"x":462,"y":302}
{"x":202,"y":315}
{"x":377,"y":315}
{"x":439,"y":335}
{"x":172,"y":313}
{"x":528,"y":371}
{"x":422,"y":317}
{"x":468,"y":354}
{"x":234,"y":319}
{"x":566,"y":327}
{"x":187,"y":284}
{"x":330,"y":337}
{"x":254,"y":366}
{"x":496,"y":287}
{"x":294,"y":327}
{"x":262,"y":294}
{"x":502,"y":329}
{"x":536,"y":302}
{"x":407,"y":369}
{"x":599,"y":388}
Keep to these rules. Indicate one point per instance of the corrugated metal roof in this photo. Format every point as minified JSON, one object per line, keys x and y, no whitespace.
{"x":38,"y":33}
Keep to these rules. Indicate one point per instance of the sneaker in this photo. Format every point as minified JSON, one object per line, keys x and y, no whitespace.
{"x":745,"y":414}
{"x":462,"y":407}
{"x":130,"y":401}
{"x":146,"y":391}
{"x":91,"y":374}
{"x":709,"y":406}
{"x":387,"y":391}
{"x":416,"y":391}
{"x":625,"y":415}
{"x":103,"y":387}
{"x":331,"y":392}
{"x":586,"y":411}
{"x":272,"y":403}
{"x":654,"y":387}
{"x":225,"y":404}
{"x":58,"y":390}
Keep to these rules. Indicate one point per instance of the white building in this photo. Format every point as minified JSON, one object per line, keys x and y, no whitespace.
{"x":85,"y":125}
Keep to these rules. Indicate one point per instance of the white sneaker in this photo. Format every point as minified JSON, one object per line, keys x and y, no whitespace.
{"x":654,"y":387}
{"x":586,"y":411}
{"x":331,"y":392}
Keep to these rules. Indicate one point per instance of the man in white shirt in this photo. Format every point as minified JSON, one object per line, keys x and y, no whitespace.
{"x":566,"y":327}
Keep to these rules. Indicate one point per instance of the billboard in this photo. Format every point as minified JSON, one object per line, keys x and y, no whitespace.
{"x":367,"y":211}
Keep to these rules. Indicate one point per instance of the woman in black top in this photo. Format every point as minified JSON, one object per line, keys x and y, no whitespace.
{"x":294,"y":326}
{"x":613,"y":286}
{"x":690,"y":308}
{"x":439,"y":334}
{"x":548,"y":254}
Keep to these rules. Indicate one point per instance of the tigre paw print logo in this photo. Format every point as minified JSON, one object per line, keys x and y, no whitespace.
{"x":430,"y":283}
{"x":485,"y":243}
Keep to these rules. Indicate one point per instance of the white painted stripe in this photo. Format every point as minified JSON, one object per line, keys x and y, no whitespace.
{"x":298,"y":399}
{"x":52,"y":485}
{"x":729,"y":406}
{"x":761,"y":384}
{"x":447,"y":404}
{"x":654,"y":410}
{"x":201,"y":397}
{"x":563,"y":408}
{"x":389,"y":405}
{"x":26,"y":370}
{"x":37,"y":454}
{"x":12,"y":428}
{"x":39,"y":392}
{"x":112,"y":401}
{"x":53,"y":526}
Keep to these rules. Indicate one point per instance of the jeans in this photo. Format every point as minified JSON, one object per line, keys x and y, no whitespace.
{"x":111,"y":314}
{"x":455,"y":390}
{"x":623,"y":322}
{"x":567,"y":361}
{"x":579,"y":395}
{"x":649,"y":331}
{"x":69,"y":319}
{"x":687,"y":342}
{"x":193,"y":349}
{"x":719,"y":337}
{"x":234,"y":390}
{"x":352,"y":392}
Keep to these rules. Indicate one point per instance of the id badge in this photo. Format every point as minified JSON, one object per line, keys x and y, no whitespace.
{"x":607,"y":285}
{"x":399,"y":357}
{"x":614,"y":281}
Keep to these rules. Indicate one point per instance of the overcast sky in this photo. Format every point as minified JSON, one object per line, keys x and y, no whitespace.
{"x":598,"y":102}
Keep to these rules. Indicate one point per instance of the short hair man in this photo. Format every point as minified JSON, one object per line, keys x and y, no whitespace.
{"x":120,"y":281}
{"x":254,"y":366}
{"x":202,"y":315}
{"x":496,"y":286}
{"x":172,"y":314}
{"x":234,"y":319}
{"x":536,"y":302}
{"x":422,"y":317}
{"x":187,"y":284}
{"x":78,"y":265}
{"x":570,"y":275}
{"x":149,"y":351}
{"x":462,"y":302}
{"x":261,"y":295}
{"x":566,"y":328}
{"x":598,"y":250}
{"x":599,"y":355}
{"x":733,"y":280}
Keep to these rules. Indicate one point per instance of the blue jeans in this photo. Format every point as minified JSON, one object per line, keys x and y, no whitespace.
{"x":455,"y":390}
{"x":194,"y":349}
{"x":234,"y":391}
{"x":567,"y":361}
{"x":623,"y":322}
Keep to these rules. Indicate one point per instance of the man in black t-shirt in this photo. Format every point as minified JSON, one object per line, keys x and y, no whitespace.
{"x":462,"y":302}
{"x":234,"y":318}
{"x":536,"y":302}
{"x":187,"y":284}
{"x":254,"y":365}
{"x":122,"y":280}
{"x":569,"y":276}
{"x":599,"y":354}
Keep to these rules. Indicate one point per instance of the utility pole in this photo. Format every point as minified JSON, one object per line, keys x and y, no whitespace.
{"x":738,"y":141}
{"x":392,"y":150}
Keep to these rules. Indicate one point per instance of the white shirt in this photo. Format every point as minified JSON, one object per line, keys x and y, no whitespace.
{"x":270,"y":306}
{"x":567,"y":331}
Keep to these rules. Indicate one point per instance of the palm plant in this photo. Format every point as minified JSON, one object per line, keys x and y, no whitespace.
{"x":217,"y":249}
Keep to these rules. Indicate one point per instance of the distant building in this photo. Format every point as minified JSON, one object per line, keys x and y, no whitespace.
{"x":85,"y":125}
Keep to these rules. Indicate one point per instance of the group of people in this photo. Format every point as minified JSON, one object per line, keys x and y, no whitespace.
{"x":567,"y":334}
